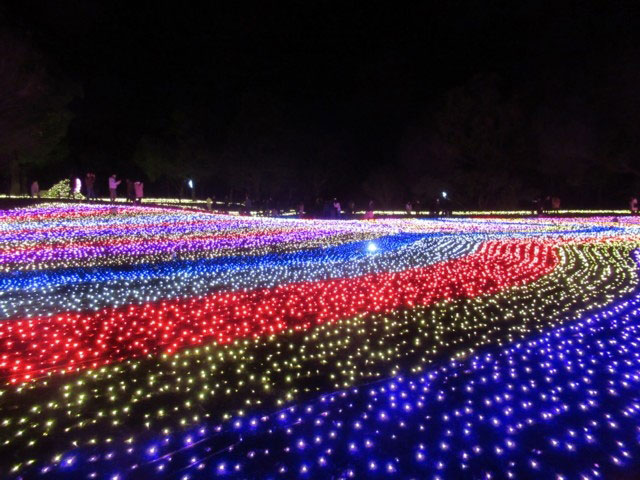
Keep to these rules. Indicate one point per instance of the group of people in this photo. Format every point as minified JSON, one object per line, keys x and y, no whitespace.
{"x":135,"y":190}
{"x":331,"y":208}
{"x":322,"y":208}
{"x":546,"y":204}
{"x":440,"y":206}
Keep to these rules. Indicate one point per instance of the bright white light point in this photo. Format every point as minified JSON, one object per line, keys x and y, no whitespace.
{"x":372,"y":247}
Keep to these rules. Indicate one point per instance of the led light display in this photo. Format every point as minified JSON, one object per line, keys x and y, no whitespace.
{"x":142,"y":342}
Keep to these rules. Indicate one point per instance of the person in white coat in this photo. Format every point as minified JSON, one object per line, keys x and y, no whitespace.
{"x":113,"y":187}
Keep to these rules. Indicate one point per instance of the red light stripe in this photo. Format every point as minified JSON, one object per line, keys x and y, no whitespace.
{"x":72,"y":341}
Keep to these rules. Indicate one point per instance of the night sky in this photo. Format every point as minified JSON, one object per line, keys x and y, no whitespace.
{"x":365,"y":72}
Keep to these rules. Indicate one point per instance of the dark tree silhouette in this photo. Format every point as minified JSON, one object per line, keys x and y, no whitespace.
{"x":34,"y":113}
{"x":484,"y":128}
{"x":175,"y":154}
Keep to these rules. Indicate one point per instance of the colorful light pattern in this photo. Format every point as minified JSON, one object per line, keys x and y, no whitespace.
{"x":139,"y":342}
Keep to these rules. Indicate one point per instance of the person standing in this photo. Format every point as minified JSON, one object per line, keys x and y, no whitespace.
{"x":351,"y":208}
{"x":408,"y":208}
{"x":327,"y":209}
{"x":130,"y":195}
{"x":369,"y":213}
{"x":113,"y":187}
{"x":138,"y":187}
{"x":436,"y":207}
{"x":247,"y":204}
{"x":633,"y":205}
{"x":89,"y":181}
{"x":35,"y":189}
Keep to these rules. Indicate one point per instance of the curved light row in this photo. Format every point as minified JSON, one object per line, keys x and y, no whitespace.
{"x":201,"y":335}
{"x":561,"y":405}
{"x":172,"y":393}
{"x":28,"y":295}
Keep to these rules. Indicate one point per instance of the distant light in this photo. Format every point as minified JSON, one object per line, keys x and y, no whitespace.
{"x":444,"y":194}
{"x":372,"y":247}
{"x":190,"y":183}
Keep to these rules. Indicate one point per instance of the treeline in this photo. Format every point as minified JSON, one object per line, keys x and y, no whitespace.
{"x":490,"y":143}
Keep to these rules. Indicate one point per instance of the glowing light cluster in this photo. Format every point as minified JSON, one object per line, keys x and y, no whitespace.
{"x":152,"y":343}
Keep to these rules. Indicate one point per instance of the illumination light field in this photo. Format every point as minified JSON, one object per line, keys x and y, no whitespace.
{"x":144,"y":342}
